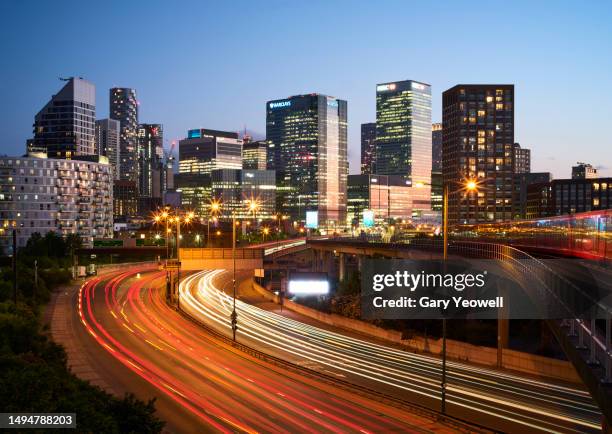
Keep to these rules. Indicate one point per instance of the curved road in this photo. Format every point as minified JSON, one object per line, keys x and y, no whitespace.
{"x":500,"y":400}
{"x":134,"y":341}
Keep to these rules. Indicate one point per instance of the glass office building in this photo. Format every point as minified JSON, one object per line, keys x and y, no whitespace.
{"x":368,"y":148}
{"x":65,"y":126}
{"x":403,"y":136}
{"x":205,"y":150}
{"x":307,"y":146}
{"x":388,"y":197}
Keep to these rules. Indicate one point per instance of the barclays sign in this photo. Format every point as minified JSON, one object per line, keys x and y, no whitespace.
{"x":279,"y":104}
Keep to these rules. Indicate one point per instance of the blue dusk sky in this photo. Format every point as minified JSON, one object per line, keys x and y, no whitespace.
{"x":215,"y":64}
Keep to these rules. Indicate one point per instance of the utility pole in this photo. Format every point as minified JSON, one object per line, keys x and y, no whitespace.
{"x":35,"y":277}
{"x":445,"y":256}
{"x":234,"y":316}
{"x":15,"y":266}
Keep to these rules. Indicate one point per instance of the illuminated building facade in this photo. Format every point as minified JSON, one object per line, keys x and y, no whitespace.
{"x":124,"y":108}
{"x":522,"y":159}
{"x":125,"y":199}
{"x":568,"y":196}
{"x":206,"y":150}
{"x":65,"y":126}
{"x":368,"y":148}
{"x":65,"y":196}
{"x":307,"y":146}
{"x":150,"y":166}
{"x":237,"y":189}
{"x":403,"y":136}
{"x":254,"y":155}
{"x":436,"y":147}
{"x":388,"y":196}
{"x":107,"y":142}
{"x":478,"y":141}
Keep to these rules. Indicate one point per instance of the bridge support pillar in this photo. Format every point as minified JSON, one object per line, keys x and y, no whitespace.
{"x":592,"y":343}
{"x":608,"y":378}
{"x":341,"y":267}
{"x":359,"y":262}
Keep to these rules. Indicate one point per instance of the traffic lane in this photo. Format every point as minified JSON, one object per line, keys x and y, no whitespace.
{"x":545,"y":418}
{"x":291,"y":391}
{"x":122,"y":380}
{"x":189,"y":378}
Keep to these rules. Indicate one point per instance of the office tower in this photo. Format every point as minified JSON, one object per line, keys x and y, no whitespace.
{"x":478,"y":140}
{"x":125,"y":199}
{"x":522,"y":159}
{"x":436,"y":147}
{"x":124,"y":108}
{"x":47,"y":194}
{"x":307,"y":146}
{"x":387,"y":196}
{"x":368,"y":148}
{"x":236,"y":189}
{"x":150,"y":166}
{"x":65,"y":126}
{"x":202,"y":152}
{"x":254,"y":155}
{"x":107,"y":142}
{"x":437,"y":191}
{"x":403,"y":136}
{"x":583,"y":171}
{"x":569,"y":196}
{"x":205,"y":150}
{"x":523,"y":181}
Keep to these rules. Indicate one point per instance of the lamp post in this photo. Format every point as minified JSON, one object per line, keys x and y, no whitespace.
{"x":234,"y":316}
{"x":215,"y":206}
{"x":470,"y":185}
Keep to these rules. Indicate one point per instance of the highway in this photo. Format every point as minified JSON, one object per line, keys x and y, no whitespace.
{"x":496,"y":399}
{"x":135,"y":341}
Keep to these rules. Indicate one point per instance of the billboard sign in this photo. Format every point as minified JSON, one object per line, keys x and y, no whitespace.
{"x":368,"y":218}
{"x":312,"y":219}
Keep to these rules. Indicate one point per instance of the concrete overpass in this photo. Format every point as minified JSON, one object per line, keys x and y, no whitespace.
{"x":213,"y":258}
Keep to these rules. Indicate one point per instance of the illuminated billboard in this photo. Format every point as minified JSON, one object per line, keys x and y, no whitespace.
{"x":368,"y":218}
{"x":304,"y":284}
{"x":312,"y":219}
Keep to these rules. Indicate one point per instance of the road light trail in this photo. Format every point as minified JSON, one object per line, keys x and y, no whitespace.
{"x":227,"y":391}
{"x":506,"y":398}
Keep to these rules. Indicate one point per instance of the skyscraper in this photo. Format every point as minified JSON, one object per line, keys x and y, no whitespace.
{"x":201,"y":153}
{"x":307,"y":146}
{"x":403,"y":136}
{"x":368,"y":148}
{"x":205,"y":150}
{"x":254,"y":155}
{"x":107,"y":142}
{"x":150,"y":165}
{"x":65,"y":126}
{"x":436,"y":147}
{"x":124,"y":108}
{"x":478,"y":140}
{"x":522,"y":159}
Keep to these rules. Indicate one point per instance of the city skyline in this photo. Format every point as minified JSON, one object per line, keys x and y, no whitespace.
{"x":230,"y":98}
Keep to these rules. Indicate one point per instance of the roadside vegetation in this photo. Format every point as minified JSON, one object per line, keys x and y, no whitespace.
{"x":34,"y":375}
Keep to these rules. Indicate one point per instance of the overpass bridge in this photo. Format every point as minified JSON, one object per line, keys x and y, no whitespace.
{"x":587,"y":343}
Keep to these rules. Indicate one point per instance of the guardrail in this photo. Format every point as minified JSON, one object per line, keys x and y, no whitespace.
{"x":214,"y":253}
{"x":551,"y":288}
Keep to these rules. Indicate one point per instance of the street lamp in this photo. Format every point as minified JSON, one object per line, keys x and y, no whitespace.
{"x":215,"y":206}
{"x":469,"y":185}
